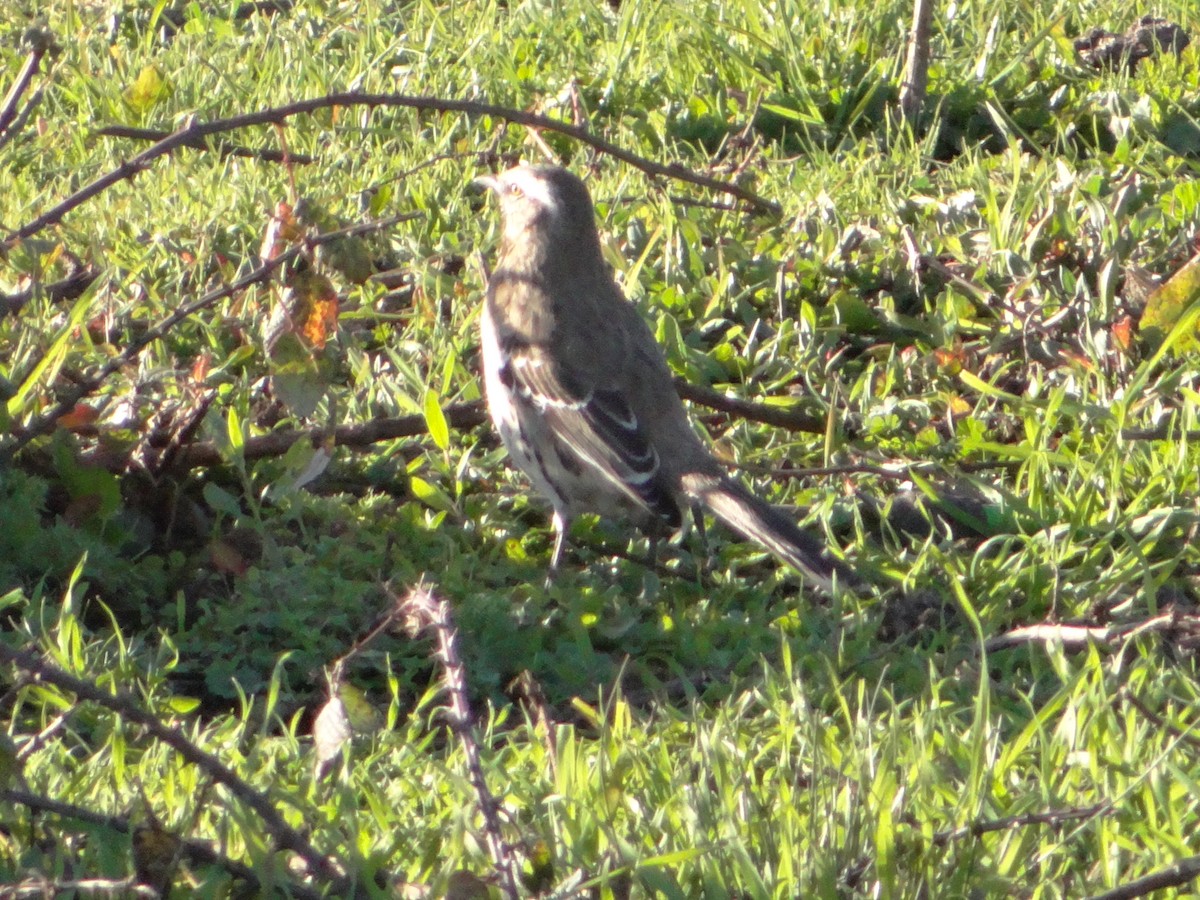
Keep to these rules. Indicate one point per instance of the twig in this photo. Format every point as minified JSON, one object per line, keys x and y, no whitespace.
{"x":126,"y":706}
{"x":526,"y":690}
{"x":754,"y":412}
{"x":39,"y":740}
{"x":195,"y":851}
{"x":1183,"y":872}
{"x":1078,"y":636}
{"x":39,"y":886}
{"x":897,"y":472}
{"x":42,"y":42}
{"x":916,"y":67}
{"x":919,"y":260}
{"x":155,"y":134}
{"x":181,"y":437}
{"x":45,"y":422}
{"x":1161,"y":433}
{"x":383,"y":623}
{"x":1158,"y":721}
{"x":460,"y":416}
{"x":425,"y":612}
{"x":18,"y":124}
{"x":1052,"y":817}
{"x":198,"y":131}
{"x":77,"y":281}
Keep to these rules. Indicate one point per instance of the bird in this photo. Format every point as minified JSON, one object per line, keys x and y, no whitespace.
{"x":581,"y":393}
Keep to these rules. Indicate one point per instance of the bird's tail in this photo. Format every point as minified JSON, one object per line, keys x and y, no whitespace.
{"x":759,"y":521}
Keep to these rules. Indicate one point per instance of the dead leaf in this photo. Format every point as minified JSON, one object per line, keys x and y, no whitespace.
{"x":79,"y":418}
{"x":1168,"y":305}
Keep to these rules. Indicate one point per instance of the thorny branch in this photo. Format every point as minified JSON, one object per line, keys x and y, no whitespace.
{"x":427,"y":613}
{"x":196,"y":131}
{"x":1183,"y":872}
{"x":154,"y":134}
{"x":41,"y":43}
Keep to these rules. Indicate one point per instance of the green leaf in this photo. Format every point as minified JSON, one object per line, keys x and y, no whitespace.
{"x":439,"y":430}
{"x":220,"y":500}
{"x":184,"y":706}
{"x":236,"y":440}
{"x":1167,"y":306}
{"x":98,"y":487}
{"x":47,"y":368}
{"x":295,"y":375}
{"x":431,"y":495}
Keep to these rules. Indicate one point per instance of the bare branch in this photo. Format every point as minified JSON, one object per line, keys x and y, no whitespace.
{"x":154,"y":134}
{"x":78,"y":280}
{"x":1079,"y":636}
{"x":464,"y":416}
{"x":1183,"y":872}
{"x":195,"y":131}
{"x":42,"y":42}
{"x":916,"y":67}
{"x":41,"y":887}
{"x":128,"y":708}
{"x":1158,"y":721}
{"x":1053,"y":817}
{"x":745,"y":409}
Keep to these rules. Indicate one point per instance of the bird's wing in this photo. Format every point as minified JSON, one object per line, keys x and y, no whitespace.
{"x":596,"y":423}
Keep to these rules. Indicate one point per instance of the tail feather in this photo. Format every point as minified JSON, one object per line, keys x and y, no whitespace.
{"x":758,"y":521}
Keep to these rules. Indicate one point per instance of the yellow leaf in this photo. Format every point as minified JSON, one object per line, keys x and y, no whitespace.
{"x":150,"y":87}
{"x":1167,"y":306}
{"x":363,"y":717}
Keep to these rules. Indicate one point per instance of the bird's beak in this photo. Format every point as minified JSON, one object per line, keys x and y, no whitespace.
{"x":486,"y":183}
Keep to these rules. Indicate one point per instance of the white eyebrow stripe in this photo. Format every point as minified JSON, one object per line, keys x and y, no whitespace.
{"x":535,"y":188}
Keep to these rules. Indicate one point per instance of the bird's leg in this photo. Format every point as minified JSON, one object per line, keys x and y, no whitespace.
{"x":701,"y":539}
{"x":561,"y":526}
{"x":652,"y":555}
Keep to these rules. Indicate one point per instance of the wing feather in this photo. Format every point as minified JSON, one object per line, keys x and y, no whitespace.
{"x":597,"y":425}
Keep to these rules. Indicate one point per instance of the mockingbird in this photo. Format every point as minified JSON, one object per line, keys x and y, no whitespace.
{"x":580,"y":391}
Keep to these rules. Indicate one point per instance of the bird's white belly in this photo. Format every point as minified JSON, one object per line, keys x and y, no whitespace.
{"x":577,"y":486}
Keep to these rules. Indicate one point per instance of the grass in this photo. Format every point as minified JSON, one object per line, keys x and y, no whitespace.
{"x":740,"y":737}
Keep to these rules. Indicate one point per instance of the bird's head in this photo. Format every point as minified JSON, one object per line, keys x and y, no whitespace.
{"x":542,"y":202}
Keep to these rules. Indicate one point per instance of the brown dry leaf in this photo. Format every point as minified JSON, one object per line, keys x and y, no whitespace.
{"x":950,"y":360}
{"x":226,"y":559}
{"x":312,"y":302}
{"x":155,"y":856}
{"x":80,"y":417}
{"x":283,"y":229}
{"x":200,"y":367}
{"x":1122,"y":333}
